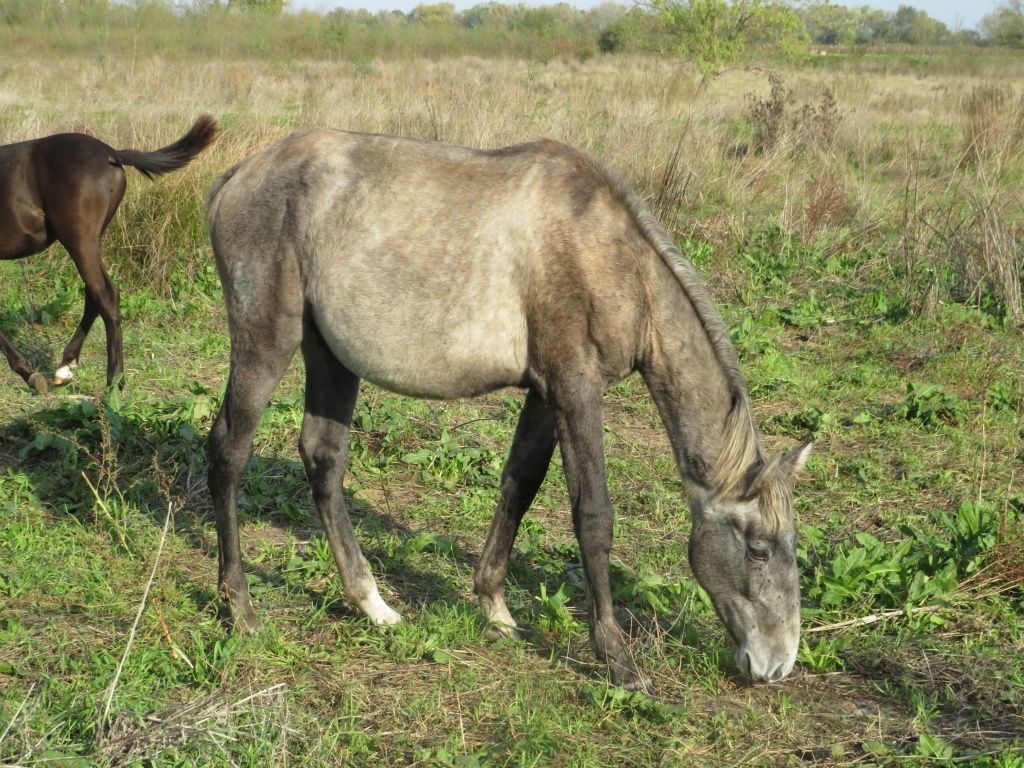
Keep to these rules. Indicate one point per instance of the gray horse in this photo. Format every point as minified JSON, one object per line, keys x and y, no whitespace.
{"x":444,"y":272}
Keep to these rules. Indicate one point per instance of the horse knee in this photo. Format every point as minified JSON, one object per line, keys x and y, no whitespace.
{"x":228,"y":453}
{"x":321,"y":453}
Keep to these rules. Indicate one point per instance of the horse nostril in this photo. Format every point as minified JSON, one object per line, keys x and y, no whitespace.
{"x":777,"y":674}
{"x":743,"y":661}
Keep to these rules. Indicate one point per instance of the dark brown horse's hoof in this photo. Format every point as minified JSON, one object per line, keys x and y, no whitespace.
{"x":243,"y":618}
{"x":38,"y":382}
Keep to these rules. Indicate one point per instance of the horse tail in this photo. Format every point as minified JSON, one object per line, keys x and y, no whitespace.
{"x":173,"y":156}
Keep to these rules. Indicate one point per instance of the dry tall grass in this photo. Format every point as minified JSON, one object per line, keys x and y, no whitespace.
{"x":953,"y":139}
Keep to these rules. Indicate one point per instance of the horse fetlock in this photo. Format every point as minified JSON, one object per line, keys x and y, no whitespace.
{"x":63,"y":375}
{"x":379,"y":612}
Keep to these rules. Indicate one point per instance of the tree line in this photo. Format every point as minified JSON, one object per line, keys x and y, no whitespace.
{"x":712,"y":33}
{"x":820,"y":23}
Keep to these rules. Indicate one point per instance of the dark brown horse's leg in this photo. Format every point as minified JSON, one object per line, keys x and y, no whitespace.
{"x":524,"y":472}
{"x":21,"y":367}
{"x":578,"y":423}
{"x":101,"y":296}
{"x":69,"y":359}
{"x":331,"y":391}
{"x":259,"y":358}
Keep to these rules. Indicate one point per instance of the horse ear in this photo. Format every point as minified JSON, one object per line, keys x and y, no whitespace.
{"x":797,"y":458}
{"x":762,"y":476}
{"x":784,"y":466}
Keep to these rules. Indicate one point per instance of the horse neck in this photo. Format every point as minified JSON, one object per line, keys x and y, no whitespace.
{"x":704,"y":409}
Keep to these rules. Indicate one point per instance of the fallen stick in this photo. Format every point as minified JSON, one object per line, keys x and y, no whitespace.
{"x":873,"y":618}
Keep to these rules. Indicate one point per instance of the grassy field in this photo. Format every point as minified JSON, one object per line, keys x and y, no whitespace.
{"x":858,"y":222}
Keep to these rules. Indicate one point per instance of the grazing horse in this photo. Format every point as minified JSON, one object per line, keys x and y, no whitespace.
{"x":444,"y":272}
{"x":67,"y":187}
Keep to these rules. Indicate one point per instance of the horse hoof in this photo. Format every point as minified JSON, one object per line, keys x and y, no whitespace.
{"x":243,"y":617}
{"x":63,"y":375}
{"x":499,"y":630}
{"x":379,"y":612}
{"x":633,"y":681}
{"x":38,"y":382}
{"x":245,"y":624}
{"x":642,"y":684}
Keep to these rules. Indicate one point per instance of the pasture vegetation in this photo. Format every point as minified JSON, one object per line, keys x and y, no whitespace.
{"x":858,"y":221}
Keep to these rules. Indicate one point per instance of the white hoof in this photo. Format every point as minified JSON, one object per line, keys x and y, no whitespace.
{"x":63,"y":375}
{"x":380,"y":613}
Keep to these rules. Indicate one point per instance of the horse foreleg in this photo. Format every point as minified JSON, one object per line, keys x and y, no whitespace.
{"x":578,"y":423}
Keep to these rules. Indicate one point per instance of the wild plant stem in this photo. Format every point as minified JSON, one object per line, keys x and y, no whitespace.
{"x":135,"y":625}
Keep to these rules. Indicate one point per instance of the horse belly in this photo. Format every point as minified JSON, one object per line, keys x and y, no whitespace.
{"x":454,"y":352}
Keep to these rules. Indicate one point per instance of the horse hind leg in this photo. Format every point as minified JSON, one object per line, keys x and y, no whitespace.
{"x":331,"y":391}
{"x":524,"y":472}
{"x":260,"y":354}
{"x":21,"y":367}
{"x":69,"y":358}
{"x":81,"y":231}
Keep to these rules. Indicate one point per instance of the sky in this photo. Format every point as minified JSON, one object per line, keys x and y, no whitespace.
{"x":957,"y":14}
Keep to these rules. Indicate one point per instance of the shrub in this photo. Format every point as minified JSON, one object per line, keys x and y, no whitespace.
{"x":779,"y":123}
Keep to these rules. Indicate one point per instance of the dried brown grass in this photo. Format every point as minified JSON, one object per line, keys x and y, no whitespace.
{"x":993,"y":122}
{"x":838,"y":148}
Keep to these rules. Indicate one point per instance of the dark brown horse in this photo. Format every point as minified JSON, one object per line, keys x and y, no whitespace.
{"x":66,"y":187}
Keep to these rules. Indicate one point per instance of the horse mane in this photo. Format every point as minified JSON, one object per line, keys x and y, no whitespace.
{"x":742,"y":450}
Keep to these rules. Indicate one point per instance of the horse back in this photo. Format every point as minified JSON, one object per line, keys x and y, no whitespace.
{"x":438,"y":270}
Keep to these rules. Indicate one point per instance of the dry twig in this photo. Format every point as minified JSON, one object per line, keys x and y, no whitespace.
{"x":873,"y":618}
{"x":104,"y":719}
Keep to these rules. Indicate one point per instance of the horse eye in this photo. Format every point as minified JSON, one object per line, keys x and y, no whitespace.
{"x":756,"y":553}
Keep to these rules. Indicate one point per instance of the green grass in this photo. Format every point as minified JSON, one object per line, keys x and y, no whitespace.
{"x":910,"y":508}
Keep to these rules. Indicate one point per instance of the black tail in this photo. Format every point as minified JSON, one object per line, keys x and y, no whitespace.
{"x":173,"y":156}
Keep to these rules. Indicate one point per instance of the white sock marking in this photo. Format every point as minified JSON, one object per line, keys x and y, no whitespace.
{"x":63,"y":375}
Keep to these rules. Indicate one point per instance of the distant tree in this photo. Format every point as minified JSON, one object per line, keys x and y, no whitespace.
{"x":968,"y":37}
{"x":873,"y":25}
{"x":545,"y":20}
{"x":830,"y":24}
{"x":270,"y":7}
{"x":29,"y":11}
{"x":910,"y":25}
{"x":1005,"y":25}
{"x":498,"y":15}
{"x":604,"y":14}
{"x":433,"y":13}
{"x":718,"y":33}
{"x":638,"y":29}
